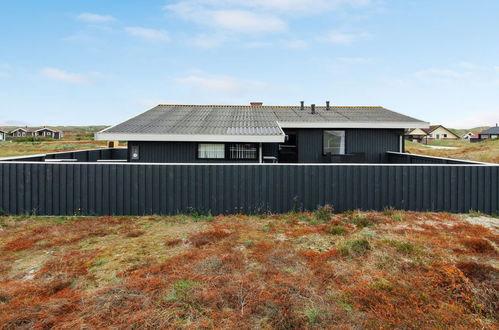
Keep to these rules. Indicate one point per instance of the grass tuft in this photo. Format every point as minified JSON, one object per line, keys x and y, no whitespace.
{"x":357,"y":247}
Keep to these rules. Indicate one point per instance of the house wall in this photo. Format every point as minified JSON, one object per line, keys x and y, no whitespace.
{"x":172,"y":152}
{"x":373,"y":142}
{"x":441,"y":131}
{"x":2,"y":136}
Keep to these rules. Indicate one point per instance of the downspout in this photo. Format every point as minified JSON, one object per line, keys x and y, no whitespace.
{"x":260,"y":153}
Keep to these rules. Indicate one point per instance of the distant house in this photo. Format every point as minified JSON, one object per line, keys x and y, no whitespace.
{"x":469,"y":136}
{"x":3,"y":135}
{"x":490,"y":133}
{"x":256,"y":133}
{"x":416,"y":135}
{"x":434,"y":132}
{"x":37,"y":132}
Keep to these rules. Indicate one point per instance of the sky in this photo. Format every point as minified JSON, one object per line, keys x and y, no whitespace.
{"x":92,"y":62}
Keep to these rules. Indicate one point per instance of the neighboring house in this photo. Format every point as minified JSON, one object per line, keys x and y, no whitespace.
{"x":416,"y":135}
{"x":434,"y":132}
{"x":490,"y":133}
{"x":3,"y":135}
{"x":37,"y":131}
{"x":258,"y":133}
{"x":469,"y":136}
{"x":438,"y":132}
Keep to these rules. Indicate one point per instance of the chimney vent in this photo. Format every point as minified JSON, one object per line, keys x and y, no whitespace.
{"x":312,"y":108}
{"x":327,"y":105}
{"x":302,"y":105}
{"x":256,"y":104}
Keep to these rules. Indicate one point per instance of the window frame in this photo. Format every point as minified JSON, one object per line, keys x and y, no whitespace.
{"x":344,"y":142}
{"x":202,"y":158}
{"x":227,"y":151}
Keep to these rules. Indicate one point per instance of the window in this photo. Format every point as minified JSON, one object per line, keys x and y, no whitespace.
{"x":243,"y":151}
{"x":211,"y":150}
{"x":334,"y":142}
{"x":445,"y":135}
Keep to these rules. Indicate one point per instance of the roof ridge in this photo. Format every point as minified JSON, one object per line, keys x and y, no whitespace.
{"x":267,"y":106}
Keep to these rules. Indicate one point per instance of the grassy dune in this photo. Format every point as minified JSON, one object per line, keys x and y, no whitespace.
{"x":485,"y":151}
{"x":8,"y":149}
{"x":298,"y":270}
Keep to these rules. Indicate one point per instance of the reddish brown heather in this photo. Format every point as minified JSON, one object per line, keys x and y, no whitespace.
{"x":418,"y":270}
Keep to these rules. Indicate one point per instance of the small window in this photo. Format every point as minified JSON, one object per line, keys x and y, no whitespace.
{"x":211,"y":150}
{"x":445,"y":135}
{"x":334,"y":142}
{"x":243,"y":151}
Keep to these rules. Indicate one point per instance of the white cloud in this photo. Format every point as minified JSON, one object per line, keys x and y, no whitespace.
{"x":297,"y":6}
{"x":232,"y":20}
{"x":220,"y":84}
{"x":296,"y":44}
{"x":95,"y":18}
{"x":338,"y":37}
{"x":258,"y":44}
{"x":58,"y":74}
{"x":207,"y":40}
{"x":440,"y":74}
{"x":246,"y":21}
{"x":357,"y":60}
{"x":148,"y":34}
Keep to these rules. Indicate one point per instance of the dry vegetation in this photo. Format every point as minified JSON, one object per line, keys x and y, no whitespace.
{"x":11,"y":149}
{"x":298,"y":270}
{"x":484,"y":151}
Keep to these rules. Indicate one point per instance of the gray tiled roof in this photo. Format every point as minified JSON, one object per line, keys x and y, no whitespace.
{"x":492,"y":130}
{"x":246,"y":120}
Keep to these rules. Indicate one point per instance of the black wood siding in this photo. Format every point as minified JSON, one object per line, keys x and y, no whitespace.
{"x":373,"y":142}
{"x":137,"y":189}
{"x":173,"y":152}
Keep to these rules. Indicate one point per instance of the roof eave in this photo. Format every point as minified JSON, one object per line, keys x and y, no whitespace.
{"x":108,"y":136}
{"x":353,"y":124}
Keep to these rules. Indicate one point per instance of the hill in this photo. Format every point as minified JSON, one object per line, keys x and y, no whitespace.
{"x":460,"y":132}
{"x":484,"y":151}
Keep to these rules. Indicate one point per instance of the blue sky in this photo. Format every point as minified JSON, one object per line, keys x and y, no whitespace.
{"x":100,"y":62}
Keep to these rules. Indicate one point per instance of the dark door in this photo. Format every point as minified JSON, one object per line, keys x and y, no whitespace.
{"x":288,"y":151}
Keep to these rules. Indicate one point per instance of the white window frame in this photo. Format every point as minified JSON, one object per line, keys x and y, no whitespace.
{"x":217,"y":151}
{"x":341,"y":149}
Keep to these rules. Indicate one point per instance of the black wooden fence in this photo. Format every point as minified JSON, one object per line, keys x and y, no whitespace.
{"x":136,"y":189}
{"x":406,"y":158}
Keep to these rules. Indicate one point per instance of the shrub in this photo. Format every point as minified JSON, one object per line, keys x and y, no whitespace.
{"x":207,"y":237}
{"x":478,"y":245}
{"x":336,"y":230}
{"x":402,"y":247}
{"x":475,"y":214}
{"x":180,"y":290}
{"x":323,"y":213}
{"x":356,"y":247}
{"x":135,"y":233}
{"x":382,"y":286}
{"x":362,"y":220}
{"x":312,"y":315}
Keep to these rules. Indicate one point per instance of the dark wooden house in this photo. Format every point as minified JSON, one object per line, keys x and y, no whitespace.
{"x":258,"y":133}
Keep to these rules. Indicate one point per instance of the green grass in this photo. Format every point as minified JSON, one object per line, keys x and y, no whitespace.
{"x":357,"y":247}
{"x":336,"y":230}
